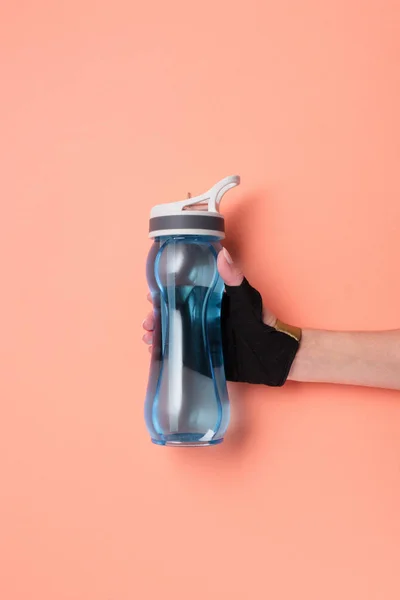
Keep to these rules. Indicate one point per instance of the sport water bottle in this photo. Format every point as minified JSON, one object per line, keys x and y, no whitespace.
{"x":187,"y":401}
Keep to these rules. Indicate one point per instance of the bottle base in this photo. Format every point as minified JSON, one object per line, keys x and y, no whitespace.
{"x":186,"y":440}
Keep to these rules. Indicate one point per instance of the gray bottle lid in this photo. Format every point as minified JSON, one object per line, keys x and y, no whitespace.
{"x":193,"y":216}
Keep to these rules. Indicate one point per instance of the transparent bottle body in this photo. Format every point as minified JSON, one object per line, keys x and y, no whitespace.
{"x":187,"y":401}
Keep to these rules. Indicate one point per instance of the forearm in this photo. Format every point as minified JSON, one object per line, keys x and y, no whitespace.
{"x":353,"y":358}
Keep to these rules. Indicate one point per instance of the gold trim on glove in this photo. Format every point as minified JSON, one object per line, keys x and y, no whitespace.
{"x":294,"y":332}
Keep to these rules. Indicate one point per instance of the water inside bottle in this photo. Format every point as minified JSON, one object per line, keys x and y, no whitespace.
{"x":187,"y":401}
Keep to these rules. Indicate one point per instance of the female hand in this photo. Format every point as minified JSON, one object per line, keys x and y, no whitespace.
{"x":231,"y":275}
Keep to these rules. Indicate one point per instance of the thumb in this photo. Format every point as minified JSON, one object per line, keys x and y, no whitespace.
{"x":230,"y":273}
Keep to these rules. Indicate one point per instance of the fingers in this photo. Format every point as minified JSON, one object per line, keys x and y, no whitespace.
{"x":149,"y":298}
{"x":230,"y":273}
{"x":148,"y":325}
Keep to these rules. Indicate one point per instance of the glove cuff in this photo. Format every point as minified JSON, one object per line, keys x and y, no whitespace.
{"x":294,"y":332}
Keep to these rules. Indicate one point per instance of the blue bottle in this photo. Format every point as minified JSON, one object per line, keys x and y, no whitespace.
{"x":187,"y":401}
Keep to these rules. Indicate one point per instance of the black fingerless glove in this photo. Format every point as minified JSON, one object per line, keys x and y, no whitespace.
{"x":254,"y":352}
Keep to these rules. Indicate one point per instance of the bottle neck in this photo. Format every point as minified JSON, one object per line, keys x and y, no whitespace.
{"x":189,"y":238}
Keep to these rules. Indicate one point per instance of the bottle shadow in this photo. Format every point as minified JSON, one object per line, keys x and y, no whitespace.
{"x":240,"y":428}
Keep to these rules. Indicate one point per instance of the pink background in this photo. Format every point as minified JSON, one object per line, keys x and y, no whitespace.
{"x":107,"y":108}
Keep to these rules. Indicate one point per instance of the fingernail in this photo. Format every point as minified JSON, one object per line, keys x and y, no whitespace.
{"x":228,"y":257}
